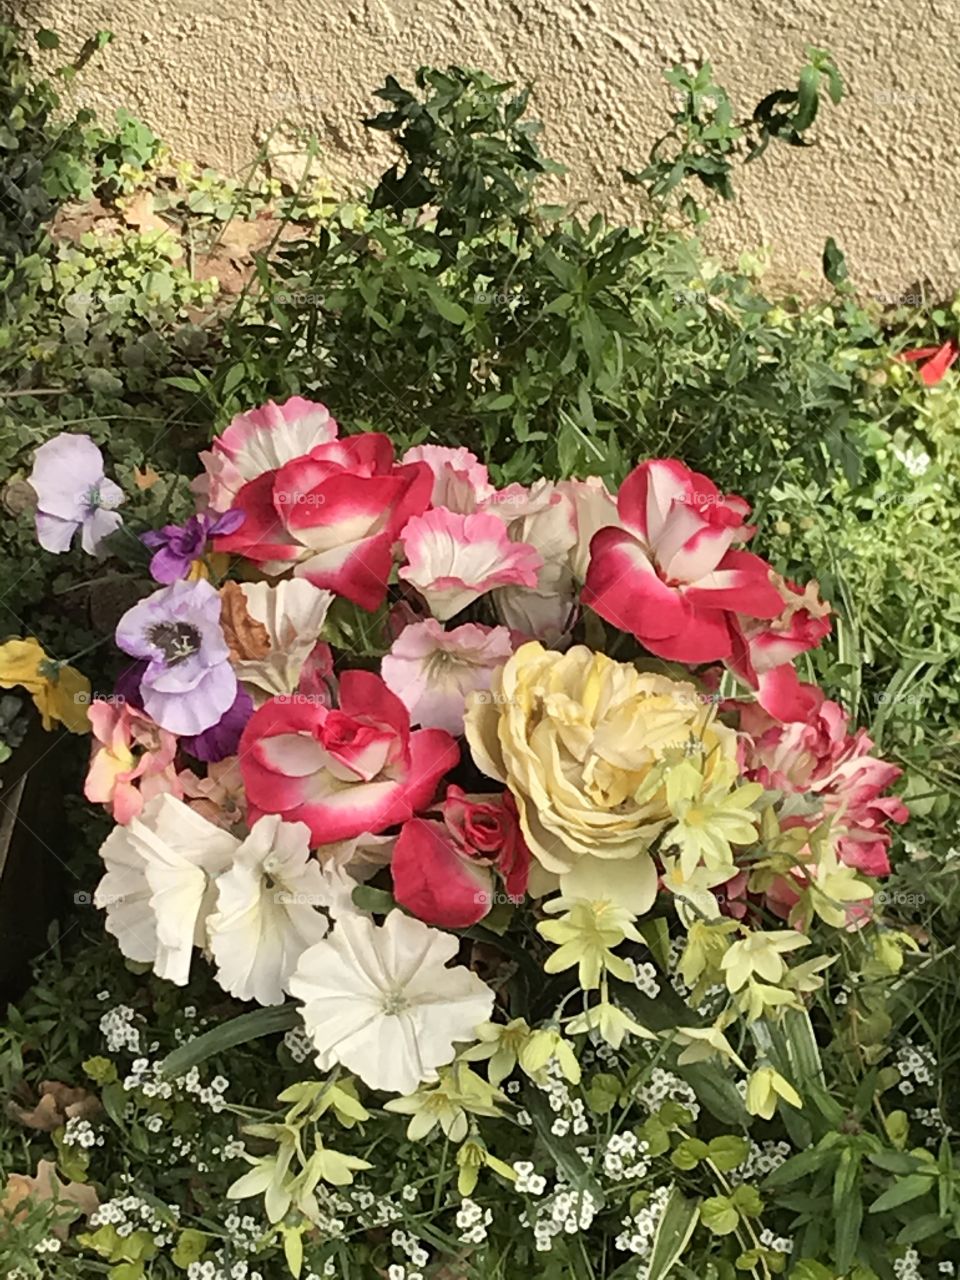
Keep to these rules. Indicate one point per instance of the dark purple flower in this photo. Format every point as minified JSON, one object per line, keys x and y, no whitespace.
{"x":188,"y":683}
{"x":176,"y":546}
{"x":223,"y":738}
{"x":127,"y":685}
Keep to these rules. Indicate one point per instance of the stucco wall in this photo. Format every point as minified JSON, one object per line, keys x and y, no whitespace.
{"x":212,"y":76}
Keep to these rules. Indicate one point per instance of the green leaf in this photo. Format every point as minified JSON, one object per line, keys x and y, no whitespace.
{"x":375,"y":901}
{"x":803,"y":1052}
{"x":908,"y":1188}
{"x":233,"y":378}
{"x":127,"y":1271}
{"x":928,"y":1224}
{"x":834,"y":263}
{"x":747,"y":1200}
{"x":719,"y":1216}
{"x":688,"y":1153}
{"x":676,"y":1226}
{"x":602,"y":1093}
{"x":727,"y":1151}
{"x":249,"y":1026}
{"x":449,"y":309}
{"x":810,"y":1269}
{"x":847,"y":1209}
{"x":47,"y":39}
{"x":189,"y":1248}
{"x":807,"y":98}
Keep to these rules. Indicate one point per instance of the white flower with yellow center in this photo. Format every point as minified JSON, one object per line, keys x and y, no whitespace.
{"x":270,"y":907}
{"x":380,"y":1000}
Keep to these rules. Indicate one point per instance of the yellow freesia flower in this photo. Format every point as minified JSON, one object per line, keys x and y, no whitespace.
{"x":711,"y":816}
{"x":833,"y":886}
{"x":500,"y":1045}
{"x":612,"y":1023}
{"x":759,"y":954}
{"x":585,"y":936}
{"x":474,"y":1156}
{"x":61,"y":694}
{"x":702,"y":1043}
{"x":707,"y":944}
{"x":764,"y":1087}
{"x":459,"y":1091}
{"x":760,"y":1000}
{"x":541,"y":1047}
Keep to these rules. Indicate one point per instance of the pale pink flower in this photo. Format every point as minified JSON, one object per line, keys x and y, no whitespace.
{"x":431,"y":670}
{"x":558,"y":521}
{"x":219,"y":797}
{"x":131,"y":760}
{"x":819,"y":758}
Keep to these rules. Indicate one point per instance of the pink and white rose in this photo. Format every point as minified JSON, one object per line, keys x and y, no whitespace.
{"x":332,"y":516}
{"x":671,"y":576}
{"x":344,"y":771}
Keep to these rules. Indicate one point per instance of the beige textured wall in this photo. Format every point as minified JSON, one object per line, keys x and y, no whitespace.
{"x":212,"y":76}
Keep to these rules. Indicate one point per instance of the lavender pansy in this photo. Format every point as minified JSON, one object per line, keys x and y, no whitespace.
{"x":73,"y":493}
{"x":176,"y":546}
{"x":188,"y":683}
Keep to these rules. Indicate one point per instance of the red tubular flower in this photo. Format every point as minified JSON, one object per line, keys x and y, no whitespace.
{"x":935,"y":360}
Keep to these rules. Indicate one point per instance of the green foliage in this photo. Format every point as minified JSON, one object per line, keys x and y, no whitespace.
{"x":704,"y":141}
{"x":42,"y":160}
{"x":453,"y":306}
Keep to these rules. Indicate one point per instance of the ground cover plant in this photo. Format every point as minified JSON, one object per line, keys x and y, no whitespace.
{"x":450,"y":308}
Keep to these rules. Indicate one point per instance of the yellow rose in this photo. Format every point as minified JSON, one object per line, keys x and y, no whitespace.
{"x":583,"y":743}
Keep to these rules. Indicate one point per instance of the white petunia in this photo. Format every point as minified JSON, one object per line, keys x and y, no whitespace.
{"x":380,"y":1000}
{"x":158,"y":890}
{"x":293,"y":614}
{"x":268,"y":909}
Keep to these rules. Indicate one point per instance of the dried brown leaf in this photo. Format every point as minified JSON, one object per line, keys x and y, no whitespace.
{"x":57,"y":1104}
{"x":246,"y":638}
{"x":46,"y":1186}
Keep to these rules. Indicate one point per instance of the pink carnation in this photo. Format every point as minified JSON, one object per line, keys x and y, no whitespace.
{"x":219,"y":797}
{"x":460,"y":480}
{"x":454,"y":559}
{"x":262,"y":440}
{"x":818,"y":756}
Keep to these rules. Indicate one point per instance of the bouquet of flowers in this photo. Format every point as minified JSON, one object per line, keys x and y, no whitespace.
{"x":489,"y":788}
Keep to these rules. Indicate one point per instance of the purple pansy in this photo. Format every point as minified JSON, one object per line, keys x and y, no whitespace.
{"x":176,"y":546}
{"x":73,"y":493}
{"x":188,"y":684}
